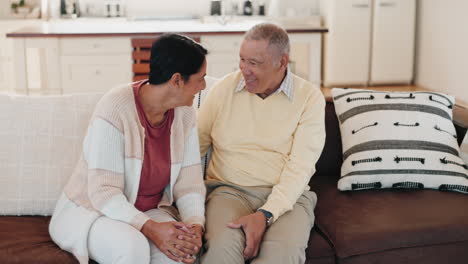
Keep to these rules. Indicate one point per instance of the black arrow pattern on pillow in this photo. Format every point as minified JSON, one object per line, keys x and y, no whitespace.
{"x":376,"y":159}
{"x":446,"y":161}
{"x":411,"y":96}
{"x":453,"y":187}
{"x":400,"y":159}
{"x":450,"y":105}
{"x":436,"y":127}
{"x":349,"y":99}
{"x":406,"y":125}
{"x":362,"y":186}
{"x":408,"y":185}
{"x":371,"y":125}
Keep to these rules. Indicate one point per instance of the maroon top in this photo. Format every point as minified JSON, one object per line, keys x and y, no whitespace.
{"x":156,"y":171}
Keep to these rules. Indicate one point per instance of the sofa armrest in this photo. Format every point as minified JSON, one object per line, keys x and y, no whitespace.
{"x":460,"y":116}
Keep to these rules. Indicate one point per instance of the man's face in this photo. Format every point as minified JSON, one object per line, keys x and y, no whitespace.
{"x":259,"y":65}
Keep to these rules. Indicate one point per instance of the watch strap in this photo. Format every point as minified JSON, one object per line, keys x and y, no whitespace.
{"x":268,"y":215}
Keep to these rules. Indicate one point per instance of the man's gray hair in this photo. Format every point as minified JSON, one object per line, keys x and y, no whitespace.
{"x":275,"y":35}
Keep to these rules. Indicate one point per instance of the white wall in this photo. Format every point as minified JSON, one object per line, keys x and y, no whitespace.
{"x":202,"y":7}
{"x":442,"y":47}
{"x":4,"y":8}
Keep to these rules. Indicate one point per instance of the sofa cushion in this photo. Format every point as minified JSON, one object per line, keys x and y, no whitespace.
{"x":330,"y":160}
{"x":26,"y":239}
{"x":318,"y":247}
{"x":398,"y":140}
{"x":40,"y":139}
{"x":376,"y":221}
{"x":464,"y":149}
{"x":451,"y":253}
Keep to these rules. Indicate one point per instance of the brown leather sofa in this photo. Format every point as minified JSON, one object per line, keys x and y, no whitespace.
{"x":383,"y":226}
{"x":374,"y":226}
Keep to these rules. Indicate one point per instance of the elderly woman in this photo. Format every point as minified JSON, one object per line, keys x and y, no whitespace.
{"x":137,"y":193}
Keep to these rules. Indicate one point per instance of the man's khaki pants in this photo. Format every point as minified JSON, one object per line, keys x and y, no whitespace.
{"x":285,"y":241}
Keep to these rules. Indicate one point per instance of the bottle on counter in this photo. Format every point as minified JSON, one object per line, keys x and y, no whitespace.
{"x":69,"y":8}
{"x":261,"y":8}
{"x":248,"y":8}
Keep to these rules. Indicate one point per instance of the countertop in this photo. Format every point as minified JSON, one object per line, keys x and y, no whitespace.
{"x":124,"y":27}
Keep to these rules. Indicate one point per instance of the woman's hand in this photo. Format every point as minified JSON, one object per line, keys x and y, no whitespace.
{"x":174,"y":239}
{"x":198,"y":231}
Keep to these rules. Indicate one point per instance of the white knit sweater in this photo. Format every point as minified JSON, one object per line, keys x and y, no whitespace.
{"x":106,"y":178}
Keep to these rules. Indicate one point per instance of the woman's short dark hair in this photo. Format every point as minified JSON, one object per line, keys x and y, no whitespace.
{"x":174,"y":53}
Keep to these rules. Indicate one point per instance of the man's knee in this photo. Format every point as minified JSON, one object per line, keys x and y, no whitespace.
{"x":228,"y":245}
{"x":228,"y":238}
{"x":281,"y":253}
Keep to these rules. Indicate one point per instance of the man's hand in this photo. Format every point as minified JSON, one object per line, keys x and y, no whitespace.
{"x":254,"y":226}
{"x":174,"y":239}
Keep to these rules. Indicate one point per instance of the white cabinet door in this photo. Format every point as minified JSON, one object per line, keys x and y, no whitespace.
{"x":82,"y":74}
{"x":347,"y":44}
{"x":95,"y":64}
{"x":393,"y":41}
{"x":7,"y":48}
{"x":223,"y":54}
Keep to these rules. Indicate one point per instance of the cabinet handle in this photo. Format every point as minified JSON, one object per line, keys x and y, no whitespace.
{"x":387,"y":4}
{"x":361,"y":5}
{"x":98,"y":72}
{"x":96,"y":45}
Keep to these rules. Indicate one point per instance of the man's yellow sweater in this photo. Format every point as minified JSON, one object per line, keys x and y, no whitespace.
{"x":272,"y":142}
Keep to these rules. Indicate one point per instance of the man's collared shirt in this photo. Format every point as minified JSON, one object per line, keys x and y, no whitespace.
{"x":286,"y":86}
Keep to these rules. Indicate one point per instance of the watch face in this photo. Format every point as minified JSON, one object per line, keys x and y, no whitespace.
{"x":268,"y":216}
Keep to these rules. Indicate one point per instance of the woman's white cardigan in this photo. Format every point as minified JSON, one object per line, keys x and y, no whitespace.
{"x":106,"y":178}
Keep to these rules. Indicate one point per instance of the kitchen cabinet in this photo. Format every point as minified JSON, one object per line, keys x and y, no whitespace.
{"x":369,"y":41}
{"x":94,"y":55}
{"x":71,"y":65}
{"x":94,"y":64}
{"x":305,"y":55}
{"x":7,"y":80}
{"x":223,"y":53}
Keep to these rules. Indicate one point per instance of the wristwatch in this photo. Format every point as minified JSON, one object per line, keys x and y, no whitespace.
{"x":268,"y":216}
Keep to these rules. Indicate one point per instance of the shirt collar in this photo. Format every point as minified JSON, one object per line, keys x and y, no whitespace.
{"x":286,"y":86}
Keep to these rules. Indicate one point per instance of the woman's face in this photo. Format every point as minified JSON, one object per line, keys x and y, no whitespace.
{"x":194,"y":85}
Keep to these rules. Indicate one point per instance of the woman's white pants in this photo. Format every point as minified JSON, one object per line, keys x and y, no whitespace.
{"x":115,"y":242}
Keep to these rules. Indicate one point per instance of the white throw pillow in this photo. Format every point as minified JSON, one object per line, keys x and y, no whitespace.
{"x":398,"y":140}
{"x":464,"y":149}
{"x":40,"y":142}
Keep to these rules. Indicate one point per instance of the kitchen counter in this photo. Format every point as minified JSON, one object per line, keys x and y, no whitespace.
{"x":63,"y":55}
{"x":122,"y":27}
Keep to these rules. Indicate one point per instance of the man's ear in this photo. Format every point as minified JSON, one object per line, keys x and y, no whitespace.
{"x":176,"y":80}
{"x":284,"y":61}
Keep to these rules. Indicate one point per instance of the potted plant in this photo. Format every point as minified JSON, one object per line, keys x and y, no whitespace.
{"x":19,"y":7}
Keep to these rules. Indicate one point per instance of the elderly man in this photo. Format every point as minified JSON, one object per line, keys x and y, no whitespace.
{"x":266,"y":127}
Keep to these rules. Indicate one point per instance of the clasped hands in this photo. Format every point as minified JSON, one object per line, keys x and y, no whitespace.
{"x":178,"y":241}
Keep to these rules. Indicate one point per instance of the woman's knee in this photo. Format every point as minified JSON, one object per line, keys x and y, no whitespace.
{"x":136,"y":250}
{"x":111,"y":241}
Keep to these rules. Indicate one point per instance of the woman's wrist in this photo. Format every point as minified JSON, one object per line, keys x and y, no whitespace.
{"x":147,"y":227}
